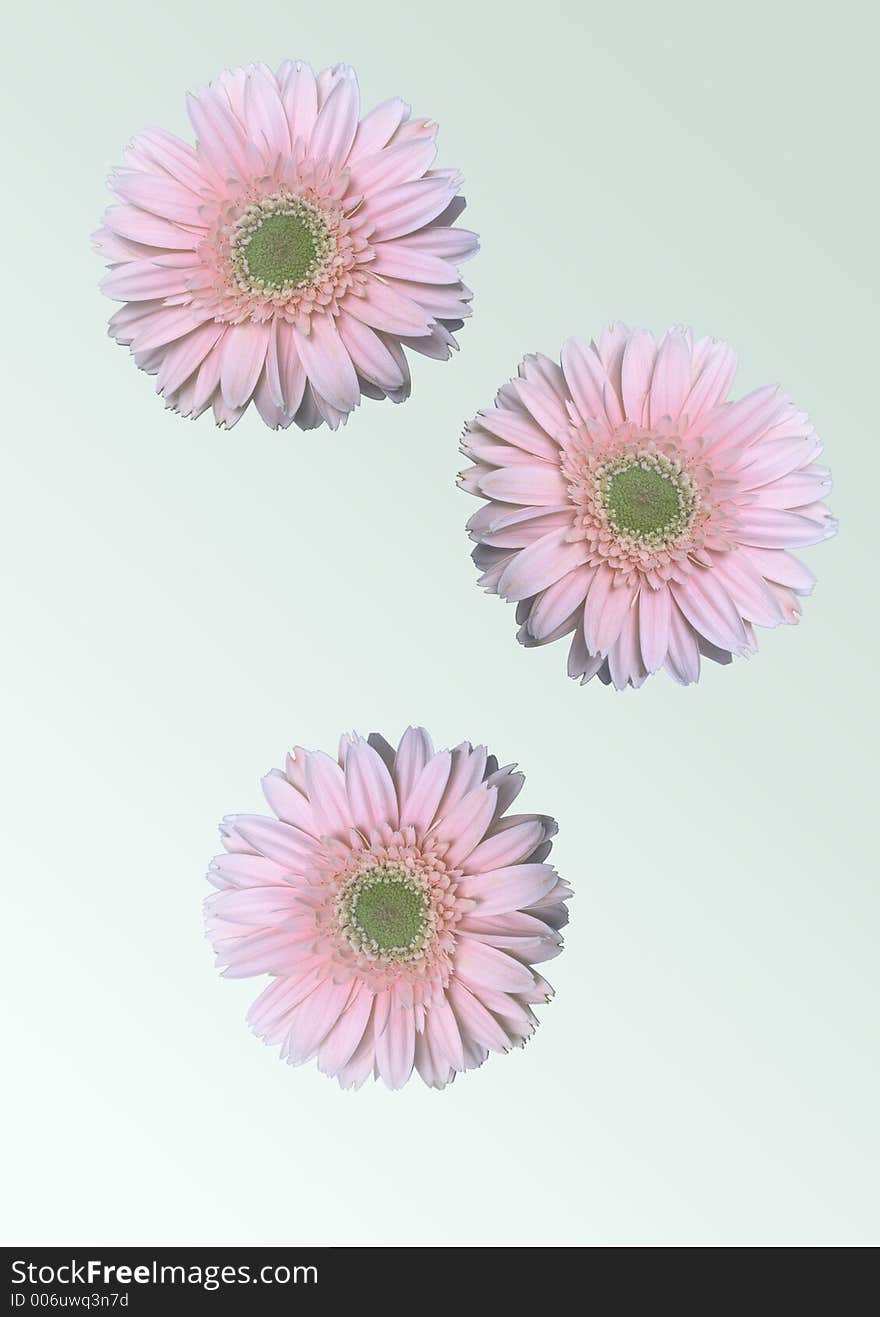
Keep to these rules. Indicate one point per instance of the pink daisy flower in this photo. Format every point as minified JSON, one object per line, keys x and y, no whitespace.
{"x":397,"y":905}
{"x":291,"y":256}
{"x":631,"y":506}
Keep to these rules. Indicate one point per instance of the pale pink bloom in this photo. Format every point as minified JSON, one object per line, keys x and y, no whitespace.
{"x":631,"y":506}
{"x":292,"y":255}
{"x":396,"y":903}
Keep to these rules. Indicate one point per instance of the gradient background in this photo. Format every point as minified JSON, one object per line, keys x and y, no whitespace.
{"x":181,"y":604}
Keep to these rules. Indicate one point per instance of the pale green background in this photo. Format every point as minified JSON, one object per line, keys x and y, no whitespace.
{"x":181,"y":604}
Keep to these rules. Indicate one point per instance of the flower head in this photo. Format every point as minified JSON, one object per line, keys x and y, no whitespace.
{"x":631,"y":505}
{"x":397,"y":905}
{"x":291,"y":255}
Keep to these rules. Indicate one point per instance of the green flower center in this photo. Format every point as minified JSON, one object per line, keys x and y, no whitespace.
{"x":646,"y":497}
{"x":281,"y":251}
{"x":279,"y":244}
{"x":385,"y":914}
{"x":390,"y":913}
{"x":643,"y":502}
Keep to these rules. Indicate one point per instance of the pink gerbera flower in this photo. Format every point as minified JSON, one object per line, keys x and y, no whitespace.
{"x":397,"y":905}
{"x":632,"y":506}
{"x":291,"y":255}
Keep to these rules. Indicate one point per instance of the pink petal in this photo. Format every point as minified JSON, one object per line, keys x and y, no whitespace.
{"x":541,"y":564}
{"x":288,"y":846}
{"x":737,"y":424}
{"x":226,"y":416}
{"x":208,"y":377}
{"x":290,"y":805}
{"x":410,"y":129}
{"x":654,"y":611}
{"x":383,"y":308}
{"x":328,"y":79}
{"x":272,"y":369}
{"x":480,"y":965}
{"x":299,"y":96}
{"x":377,"y":127}
{"x":337,"y":121}
{"x":239,"y":870}
{"x":395,"y":211}
{"x":259,"y":906}
{"x":449,"y":245}
{"x":771,"y":528}
{"x":682,"y":656}
{"x":506,"y":847}
{"x":371,"y":793}
{"x":606,"y":607}
{"x":265,"y":401}
{"x":159,"y":194}
{"x":141,"y":281}
{"x":270,"y":1013}
{"x":165,"y":325}
{"x":612,"y":345}
{"x":712,"y":384}
{"x":581,"y":663}
{"x":327,"y":794}
{"x":534,"y":484}
{"x":395,"y":1048}
{"x":413,"y":753}
{"x":346,"y":1034}
{"x":186,"y":355}
{"x":244,"y":353}
{"x":443,"y":1032}
{"x":291,"y":371}
{"x":637,"y":368}
{"x":362,"y":1060}
{"x":521,"y":529}
{"x":519,"y":429}
{"x":141,"y":226}
{"x":368,"y":353}
{"x":266,"y":951}
{"x":543,"y":404}
{"x":229,"y":88}
{"x":625,"y":657}
{"x":796,"y":491}
{"x":774,"y":459}
{"x":314,"y":1018}
{"x":115,"y":248}
{"x":671,"y":380}
{"x":748,"y":589}
{"x":777,"y":565}
{"x":474,"y":1021}
{"x":396,"y":261}
{"x":516,"y":887}
{"x":440,"y":301}
{"x":177,"y":158}
{"x":419,"y":808}
{"x":392,"y":165}
{"x":467,"y":771}
{"x":433,"y":1070}
{"x":558,"y":601}
{"x":708,"y":607}
{"x":465,"y":825}
{"x":221,"y":140}
{"x":266,"y":118}
{"x":328,"y":364}
{"x":586,"y":378}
